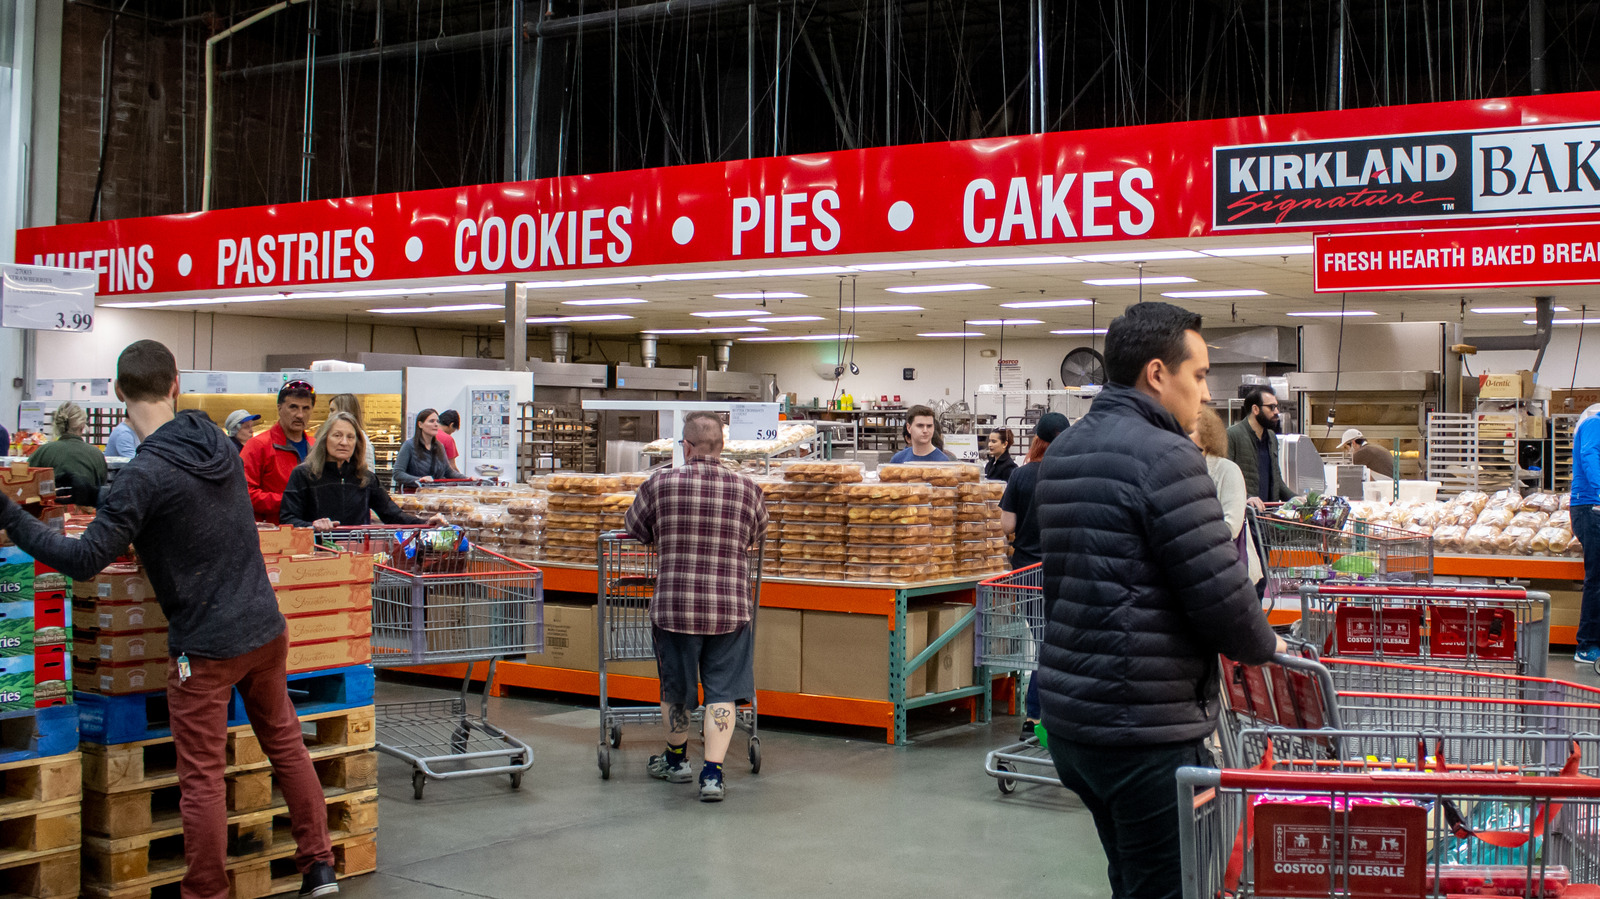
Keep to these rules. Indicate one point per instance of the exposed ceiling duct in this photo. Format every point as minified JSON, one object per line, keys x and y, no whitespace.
{"x":723,"y":351}
{"x":561,"y":344}
{"x":1544,"y":318}
{"x":649,"y":350}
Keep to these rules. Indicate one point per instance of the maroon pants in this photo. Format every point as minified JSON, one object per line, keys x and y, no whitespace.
{"x":199,"y":710}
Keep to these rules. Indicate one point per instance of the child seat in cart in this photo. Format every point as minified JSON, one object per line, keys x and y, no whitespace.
{"x":627,"y":582}
{"x":437,"y":599}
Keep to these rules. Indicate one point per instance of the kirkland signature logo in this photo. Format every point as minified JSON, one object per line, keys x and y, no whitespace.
{"x":1399,"y":177}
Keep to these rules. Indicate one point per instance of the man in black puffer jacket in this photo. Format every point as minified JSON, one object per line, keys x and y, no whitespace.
{"x":1143,"y":588}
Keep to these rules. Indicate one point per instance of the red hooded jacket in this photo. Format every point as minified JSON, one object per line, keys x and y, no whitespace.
{"x":268,"y":461}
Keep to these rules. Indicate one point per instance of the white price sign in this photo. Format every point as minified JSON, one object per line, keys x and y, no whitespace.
{"x":753,"y":421}
{"x":962,"y":447}
{"x":37,"y":298}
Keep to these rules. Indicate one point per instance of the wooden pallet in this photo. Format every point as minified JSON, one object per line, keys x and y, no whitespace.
{"x":114,"y":867}
{"x":50,"y":875}
{"x":154,"y":763}
{"x":270,"y":873}
{"x":129,"y":813}
{"x":35,"y":781}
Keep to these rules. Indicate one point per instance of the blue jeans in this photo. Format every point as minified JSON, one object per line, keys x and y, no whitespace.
{"x":1586,"y":527}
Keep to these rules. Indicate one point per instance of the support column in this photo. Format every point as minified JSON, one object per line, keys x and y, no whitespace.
{"x":516,"y":326}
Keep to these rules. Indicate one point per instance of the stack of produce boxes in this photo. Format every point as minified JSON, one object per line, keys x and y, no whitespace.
{"x":133,"y":842}
{"x":40,"y":768}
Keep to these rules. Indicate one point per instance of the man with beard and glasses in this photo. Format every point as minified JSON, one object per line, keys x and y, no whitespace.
{"x":1253,"y":446}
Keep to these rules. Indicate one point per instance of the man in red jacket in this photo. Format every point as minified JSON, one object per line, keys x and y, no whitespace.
{"x":271,"y":455}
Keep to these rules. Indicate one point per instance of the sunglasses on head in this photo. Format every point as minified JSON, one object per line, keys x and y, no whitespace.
{"x":296,"y":387}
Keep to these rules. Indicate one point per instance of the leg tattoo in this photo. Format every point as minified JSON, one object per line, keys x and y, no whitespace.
{"x":720,"y":719}
{"x":678,"y":718}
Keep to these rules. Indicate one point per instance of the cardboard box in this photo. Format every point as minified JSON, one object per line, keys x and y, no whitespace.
{"x":639,"y":668}
{"x":17,"y":574}
{"x":1513,"y":385}
{"x":330,"y":653}
{"x":16,"y":629}
{"x":916,"y":641}
{"x":1572,"y":402}
{"x":570,"y":638}
{"x":951,"y":669}
{"x":317,"y":600}
{"x":119,"y":583}
{"x":91,"y":646}
{"x":27,"y":485}
{"x":94,"y":614}
{"x":16,"y":683}
{"x":285,"y":540}
{"x":842,"y":654}
{"x":116,"y":680}
{"x":320,"y":569}
{"x":330,"y":626}
{"x":778,"y":650}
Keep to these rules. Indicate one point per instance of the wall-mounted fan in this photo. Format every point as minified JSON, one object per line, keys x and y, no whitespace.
{"x":1083,"y":367}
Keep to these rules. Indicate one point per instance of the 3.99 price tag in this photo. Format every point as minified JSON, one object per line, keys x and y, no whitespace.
{"x":40,"y":298}
{"x":753,"y":421}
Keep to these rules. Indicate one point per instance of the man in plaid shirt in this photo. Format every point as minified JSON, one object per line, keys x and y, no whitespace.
{"x":702,"y":519}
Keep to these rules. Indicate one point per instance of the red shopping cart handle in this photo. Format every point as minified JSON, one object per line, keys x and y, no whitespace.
{"x":1414,"y":590}
{"x":359,"y":528}
{"x":1414,"y":783}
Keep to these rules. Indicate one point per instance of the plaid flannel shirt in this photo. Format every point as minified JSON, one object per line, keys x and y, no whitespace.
{"x":702,"y":519}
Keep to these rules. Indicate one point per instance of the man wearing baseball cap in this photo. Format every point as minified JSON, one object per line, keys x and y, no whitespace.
{"x":241,"y":426}
{"x":270,"y":457}
{"x":1378,"y":460}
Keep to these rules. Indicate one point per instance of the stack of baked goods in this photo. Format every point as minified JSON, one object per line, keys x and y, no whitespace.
{"x":580,"y":505}
{"x":889,"y":533}
{"x":1476,"y":523}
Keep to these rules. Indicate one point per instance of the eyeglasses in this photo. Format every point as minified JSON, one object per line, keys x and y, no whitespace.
{"x":1271,"y":408}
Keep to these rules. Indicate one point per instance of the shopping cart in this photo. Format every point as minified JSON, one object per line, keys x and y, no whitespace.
{"x":1298,"y":554}
{"x":1293,"y":691}
{"x":1010,"y":632}
{"x":446,"y":482}
{"x":1249,"y":833}
{"x":627,"y":583}
{"x":1504,"y":629}
{"x":1393,"y":696}
{"x":438,"y":599}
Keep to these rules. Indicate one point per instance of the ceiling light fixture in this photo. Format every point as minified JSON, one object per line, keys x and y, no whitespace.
{"x":781,"y":319}
{"x":1296,"y":250}
{"x":1025,"y":260}
{"x":1005,"y":321}
{"x":615,"y":301}
{"x":1565,"y":321}
{"x":1134,"y":282}
{"x":670,"y":331}
{"x":812,"y":270}
{"x":1147,"y":256}
{"x":730,"y":313}
{"x":565,"y":319}
{"x":465,"y":307}
{"x":1046,"y":304}
{"x":1332,"y":313}
{"x":775,"y":339}
{"x":761,"y":295}
{"x":951,"y":334}
{"x":1212,"y":294}
{"x":886,"y":309}
{"x":1515,"y":310}
{"x":739,"y":330}
{"x":936,"y":288}
{"x":924,"y":265}
{"x":1081,"y":331}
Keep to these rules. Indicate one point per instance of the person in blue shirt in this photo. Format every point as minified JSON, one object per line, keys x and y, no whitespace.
{"x":922,"y":433}
{"x":1586,"y":527}
{"x":122,"y":443}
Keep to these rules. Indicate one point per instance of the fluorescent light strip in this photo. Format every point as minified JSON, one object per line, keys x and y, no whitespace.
{"x":1046,"y":304}
{"x":1565,"y":321}
{"x":730,"y":313}
{"x":1296,"y":250}
{"x":887,"y":309}
{"x":951,"y":334}
{"x":1081,"y":331}
{"x":812,"y":270}
{"x":802,"y":337}
{"x":1149,"y":256}
{"x":783,"y":319}
{"x":1134,"y":282}
{"x":925,"y":265}
{"x":1025,"y":260}
{"x":1212,"y":294}
{"x":670,"y":331}
{"x":699,"y":276}
{"x":936,"y":288}
{"x":616,"y":301}
{"x":739,"y":330}
{"x":761,"y":295}
{"x":1005,"y":321}
{"x":465,"y":307}
{"x":1515,"y":310}
{"x":1333,"y":313}
{"x":564,"y":319}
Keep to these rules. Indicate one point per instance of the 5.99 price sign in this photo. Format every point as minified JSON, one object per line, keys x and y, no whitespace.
{"x":39,"y":298}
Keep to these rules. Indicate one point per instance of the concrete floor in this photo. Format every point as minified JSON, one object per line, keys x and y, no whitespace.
{"x":832,"y":811}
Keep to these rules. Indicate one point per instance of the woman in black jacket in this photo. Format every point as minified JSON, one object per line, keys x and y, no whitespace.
{"x":422,"y":459}
{"x":333,"y":487}
{"x":1000,"y":464}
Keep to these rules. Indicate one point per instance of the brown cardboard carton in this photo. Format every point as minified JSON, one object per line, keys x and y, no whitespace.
{"x":330,"y":653}
{"x":315,"y":600}
{"x":570,"y":638}
{"x":285,"y":540}
{"x":1505,"y":385}
{"x":119,"y":583}
{"x":26,"y":485}
{"x":115,"y":680}
{"x":329,"y":626}
{"x":916,"y":641}
{"x":778,"y":650}
{"x":320,"y":569}
{"x":636,"y":668}
{"x":107,"y":646}
{"x":844,"y":655}
{"x":951,"y":669}
{"x":1572,"y":402}
{"x":92,"y":614}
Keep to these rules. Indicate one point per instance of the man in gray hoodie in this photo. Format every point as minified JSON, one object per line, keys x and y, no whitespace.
{"x":183,"y":504}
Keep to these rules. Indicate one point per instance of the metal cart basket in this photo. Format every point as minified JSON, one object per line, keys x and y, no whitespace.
{"x":627,"y":583}
{"x":1297,"y":554}
{"x":1500,"y":629}
{"x":438,"y":599}
{"x":1010,"y":631}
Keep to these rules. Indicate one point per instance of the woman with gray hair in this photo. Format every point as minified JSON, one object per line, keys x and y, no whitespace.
{"x":77,"y":465}
{"x":334,"y":487}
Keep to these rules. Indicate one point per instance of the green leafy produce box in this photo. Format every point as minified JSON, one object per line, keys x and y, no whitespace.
{"x":22,"y":578}
{"x":16,"y":683}
{"x":16,"y":629}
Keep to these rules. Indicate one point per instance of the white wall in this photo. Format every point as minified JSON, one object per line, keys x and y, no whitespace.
{"x":1563,"y":364}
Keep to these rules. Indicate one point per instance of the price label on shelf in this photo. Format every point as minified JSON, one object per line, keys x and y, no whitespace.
{"x":753,"y":421}
{"x":38,"y":298}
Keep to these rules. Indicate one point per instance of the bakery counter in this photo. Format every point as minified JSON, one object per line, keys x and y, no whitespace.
{"x":843,"y":652}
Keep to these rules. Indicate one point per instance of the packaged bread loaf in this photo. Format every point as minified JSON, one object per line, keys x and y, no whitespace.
{"x":904,"y":534}
{"x":887,"y":492}
{"x":1541,"y":502}
{"x":981,"y":491}
{"x":1529,"y":519}
{"x":1480,"y":539}
{"x":1561,"y":519}
{"x":1448,"y":537}
{"x":1496,"y":518}
{"x":1515,"y":540}
{"x":1504,"y":499}
{"x":1551,"y":541}
{"x":823,"y":472}
{"x":827,"y":512}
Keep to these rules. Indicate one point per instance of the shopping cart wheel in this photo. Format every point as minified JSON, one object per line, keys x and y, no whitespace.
{"x":418,"y":781}
{"x":616,"y":736}
{"x":755,"y":755}
{"x":605,"y":761}
{"x":516,"y":780}
{"x":1007,"y":785}
{"x":458,"y":739}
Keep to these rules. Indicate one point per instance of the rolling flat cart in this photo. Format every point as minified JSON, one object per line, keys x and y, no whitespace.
{"x":1010,"y":630}
{"x":627,"y":582}
{"x":438,"y":599}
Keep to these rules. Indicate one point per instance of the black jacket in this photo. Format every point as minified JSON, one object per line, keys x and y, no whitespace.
{"x":183,"y":505}
{"x":1141,"y":579}
{"x":999,"y":469}
{"x":415,"y":463}
{"x":338,"y":496}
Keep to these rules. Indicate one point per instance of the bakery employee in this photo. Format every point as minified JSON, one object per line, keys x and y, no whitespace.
{"x":922,"y":433}
{"x":1377,"y":459}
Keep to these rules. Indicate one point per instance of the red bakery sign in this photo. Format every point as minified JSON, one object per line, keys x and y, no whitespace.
{"x":1459,"y":258}
{"x":1447,"y":163}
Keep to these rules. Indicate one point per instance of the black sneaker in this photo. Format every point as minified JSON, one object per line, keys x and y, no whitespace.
{"x":319,"y":881}
{"x":661,"y":768}
{"x":1028,"y":731}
